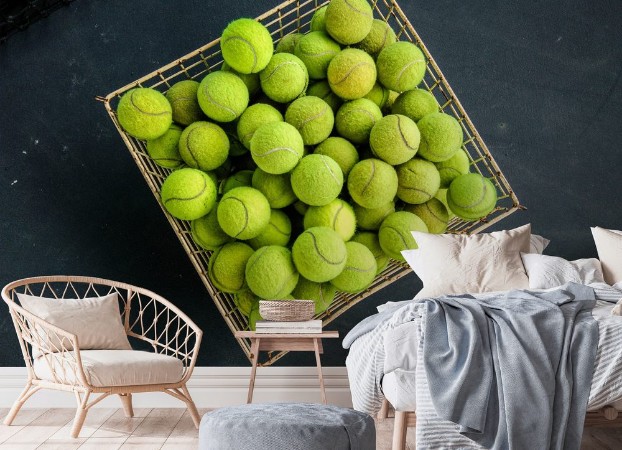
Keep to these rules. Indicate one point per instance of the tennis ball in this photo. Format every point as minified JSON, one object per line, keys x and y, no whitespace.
{"x":390,"y":101}
{"x":285,"y":78}
{"x":287,"y":43}
{"x":255,"y":116}
{"x":316,"y":50}
{"x":276,"y":188}
{"x":453,"y":167}
{"x":394,"y":234}
{"x":322,"y":294}
{"x":322,"y":90}
{"x":371,"y":219}
{"x":317,"y":180}
{"x":401,"y":66}
{"x":246,"y":45}
{"x":351,"y":73}
{"x":433,"y":213}
{"x":418,"y":181}
{"x":251,"y":80}
{"x":235,"y":146}
{"x":164,"y":150}
{"x":341,"y":150}
{"x":337,"y":215}
{"x":372,"y":183}
{"x":277,"y":232}
{"x":348,"y":21}
{"x":254,"y":316}
{"x":227,"y":266}
{"x":245,"y":300}
{"x":204,"y":145}
{"x":240,"y":178}
{"x":243,"y":212}
{"x":355,"y":119}
{"x":360,"y":269}
{"x":370,"y":240}
{"x":312,"y":117}
{"x":319,"y":254}
{"x":394,"y":139}
{"x":442,"y":196}
{"x":188,"y":194}
{"x":183,"y":99}
{"x":471,"y":196}
{"x":301,"y":208}
{"x":222,"y":96}
{"x":378,"y":94}
{"x":207,"y":233}
{"x":318,"y":21}
{"x":380,"y":36}
{"x":144,"y":113}
{"x":277,"y":147}
{"x":270,"y":272}
{"x":441,"y":137}
{"x":415,"y":104}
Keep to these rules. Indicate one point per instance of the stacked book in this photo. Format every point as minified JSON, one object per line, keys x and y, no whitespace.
{"x":305,"y":327}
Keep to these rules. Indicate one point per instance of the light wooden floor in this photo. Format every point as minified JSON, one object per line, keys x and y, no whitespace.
{"x":169,"y":429}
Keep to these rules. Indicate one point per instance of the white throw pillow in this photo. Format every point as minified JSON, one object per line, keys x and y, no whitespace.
{"x":95,"y":320}
{"x":537,"y":243}
{"x":458,"y":263}
{"x":550,"y":271}
{"x":609,"y":247}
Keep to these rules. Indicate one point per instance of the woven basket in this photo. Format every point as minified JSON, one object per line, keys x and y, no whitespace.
{"x":287,"y":310}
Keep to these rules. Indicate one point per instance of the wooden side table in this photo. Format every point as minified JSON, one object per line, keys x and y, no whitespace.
{"x":286,"y":342}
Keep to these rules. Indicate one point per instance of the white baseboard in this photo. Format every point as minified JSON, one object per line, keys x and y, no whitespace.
{"x":210,"y":387}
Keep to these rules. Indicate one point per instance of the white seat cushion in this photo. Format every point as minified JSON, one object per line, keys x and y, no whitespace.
{"x":121,"y":368}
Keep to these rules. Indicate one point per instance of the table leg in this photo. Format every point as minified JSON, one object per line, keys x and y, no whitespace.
{"x":255,"y":354}
{"x":319,"y":369}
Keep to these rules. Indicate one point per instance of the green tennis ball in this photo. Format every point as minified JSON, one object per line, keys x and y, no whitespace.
{"x":312,"y":117}
{"x":251,"y":80}
{"x":188,"y":194}
{"x":378,"y":94}
{"x":337,"y":215}
{"x":318,"y":21}
{"x":322,"y":294}
{"x":433,"y":213}
{"x":442,"y":196}
{"x":360,"y":269}
{"x":270,"y":272}
{"x":207,"y":233}
{"x":204,"y":145}
{"x":243,"y":213}
{"x":415,"y":104}
{"x":246,"y":45}
{"x":371,"y":219}
{"x":285,"y":78}
{"x":351,"y":73}
{"x":380,"y":36}
{"x":441,"y":137}
{"x":471,"y":196}
{"x":316,"y":50}
{"x":277,"y":147}
{"x":317,"y":180}
{"x":453,"y":167}
{"x":240,"y":178}
{"x":254,"y":316}
{"x":372,"y":183}
{"x":278,"y":231}
{"x":276,"y":188}
{"x":394,"y":139}
{"x":255,"y":116}
{"x":165,"y":150}
{"x":348,"y":21}
{"x":287,"y":43}
{"x":394,"y":234}
{"x":341,"y":150}
{"x":418,"y":181}
{"x":301,"y":207}
{"x":370,"y":240}
{"x":390,"y":101}
{"x":319,"y":254}
{"x":227,"y":266}
{"x":144,"y":113}
{"x":183,"y":99}
{"x":322,"y":90}
{"x":245,"y":301}
{"x":355,"y":120}
{"x":401,"y":66}
{"x":222,"y":96}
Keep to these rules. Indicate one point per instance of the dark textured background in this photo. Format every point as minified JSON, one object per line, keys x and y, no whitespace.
{"x":540,"y":80}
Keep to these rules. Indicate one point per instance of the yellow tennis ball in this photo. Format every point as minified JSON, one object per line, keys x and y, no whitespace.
{"x":287,"y":43}
{"x":319,"y":254}
{"x":285,"y":78}
{"x":394,"y":139}
{"x":322,"y":90}
{"x":246,"y":45}
{"x":372,"y":183}
{"x":251,"y":80}
{"x":355,"y":120}
{"x":341,"y":150}
{"x":165,"y":150}
{"x":277,"y":147}
{"x":401,"y":66}
{"x":255,"y":116}
{"x":394,"y":234}
{"x":337,"y":215}
{"x":457,"y":165}
{"x":380,"y":36}
{"x":276,"y":188}
{"x":245,"y":301}
{"x":371,"y":219}
{"x":318,"y":21}
{"x":418,"y":181}
{"x":370,"y":240}
{"x":351,"y":74}
{"x":223,"y":96}
{"x":183,"y":99}
{"x":441,"y":137}
{"x":317,"y":180}
{"x":471,"y":196}
{"x":227,"y":266}
{"x":415,"y":104}
{"x":207,"y":233}
{"x":360,"y":269}
{"x":348,"y":21}
{"x":277,"y":232}
{"x":243,"y":213}
{"x":378,"y":94}
{"x":433,"y":213}
{"x":204,"y":145}
{"x":316,"y":50}
{"x":312,"y":117}
{"x":188,"y":194}
{"x":144,"y":113}
{"x":270,"y":272}
{"x":442,"y":196}
{"x":240,"y":178}
{"x":322,"y":294}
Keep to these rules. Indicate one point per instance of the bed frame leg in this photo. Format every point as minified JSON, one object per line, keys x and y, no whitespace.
{"x":384,"y":410}
{"x":400,"y":428}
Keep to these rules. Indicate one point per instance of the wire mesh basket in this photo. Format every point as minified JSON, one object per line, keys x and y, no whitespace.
{"x":294,"y":16}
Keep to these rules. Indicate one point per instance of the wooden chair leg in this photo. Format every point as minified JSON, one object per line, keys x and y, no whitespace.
{"x":25,"y":395}
{"x":400,"y":428}
{"x":126,"y":401}
{"x":81,"y":411}
{"x":384,"y":410}
{"x":192,"y":408}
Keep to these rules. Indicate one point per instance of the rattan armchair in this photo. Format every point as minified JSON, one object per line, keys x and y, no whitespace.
{"x":146,"y":317}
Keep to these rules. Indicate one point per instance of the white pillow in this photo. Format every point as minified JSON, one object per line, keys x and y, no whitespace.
{"x":95,"y":320}
{"x":550,"y":271}
{"x":537,"y":243}
{"x":458,"y":263}
{"x":609,"y":247}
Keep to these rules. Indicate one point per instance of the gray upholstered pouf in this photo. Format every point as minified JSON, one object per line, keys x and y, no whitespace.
{"x":287,"y":426}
